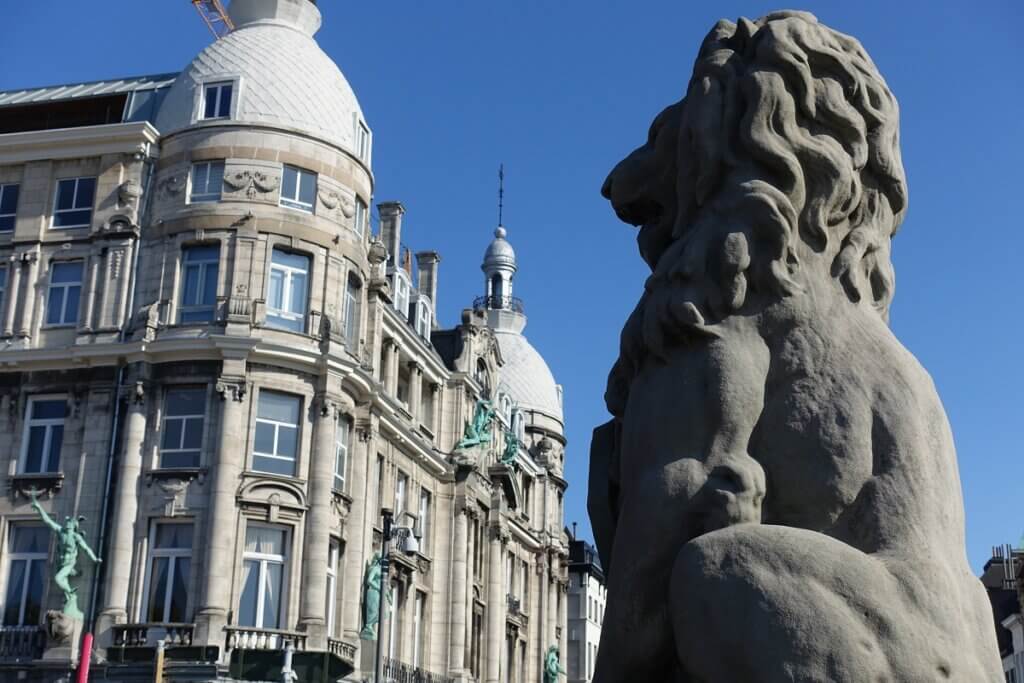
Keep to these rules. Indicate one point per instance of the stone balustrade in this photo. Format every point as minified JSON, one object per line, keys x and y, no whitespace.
{"x":250,"y":638}
{"x":147,"y":635}
{"x":341,"y":649}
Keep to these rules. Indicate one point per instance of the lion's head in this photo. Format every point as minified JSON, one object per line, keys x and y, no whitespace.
{"x":779,"y":169}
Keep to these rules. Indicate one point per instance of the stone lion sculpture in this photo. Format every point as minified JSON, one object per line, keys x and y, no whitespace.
{"x":777,"y":496}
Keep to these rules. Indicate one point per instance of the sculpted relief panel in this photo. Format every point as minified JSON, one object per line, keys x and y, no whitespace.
{"x":777,"y":496}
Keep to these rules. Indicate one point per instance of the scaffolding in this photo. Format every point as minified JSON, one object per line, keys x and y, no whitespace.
{"x":215,"y":17}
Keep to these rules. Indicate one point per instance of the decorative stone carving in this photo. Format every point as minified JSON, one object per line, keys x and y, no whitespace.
{"x":334,"y":200}
{"x":231,"y":389}
{"x":129,"y":192}
{"x":777,"y":492}
{"x":251,"y":182}
{"x":59,"y":627}
{"x":173,"y":185}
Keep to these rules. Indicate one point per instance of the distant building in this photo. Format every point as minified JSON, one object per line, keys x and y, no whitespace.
{"x":207,"y":352}
{"x":1003,"y":579}
{"x":587,"y":598}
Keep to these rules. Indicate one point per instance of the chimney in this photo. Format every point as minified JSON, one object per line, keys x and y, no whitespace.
{"x":426,"y":265}
{"x":391,"y":229}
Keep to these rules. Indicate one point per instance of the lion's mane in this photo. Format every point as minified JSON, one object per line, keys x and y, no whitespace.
{"x":788,"y":150}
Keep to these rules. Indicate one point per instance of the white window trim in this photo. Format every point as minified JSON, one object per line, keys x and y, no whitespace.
{"x":3,"y":188}
{"x":13,"y":557}
{"x":263,"y":559}
{"x":203,"y":265}
{"x":219,"y":89}
{"x":205,"y":197}
{"x":419,"y":615}
{"x":91,"y":207}
{"x":51,"y":285}
{"x":359,"y":220}
{"x":363,"y":140}
{"x":333,"y":560}
{"x":173,"y":554}
{"x":343,"y":435}
{"x":47,"y":422}
{"x":277,"y":424}
{"x":401,"y":495}
{"x":184,"y":418}
{"x":286,"y":288}
{"x":402,"y":293}
{"x":423,"y":520}
{"x":294,"y":202}
{"x":199,"y":96}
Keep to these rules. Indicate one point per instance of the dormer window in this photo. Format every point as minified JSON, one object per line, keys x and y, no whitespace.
{"x":423,"y":317}
{"x":217,"y":100}
{"x":401,"y":294}
{"x":362,"y":141}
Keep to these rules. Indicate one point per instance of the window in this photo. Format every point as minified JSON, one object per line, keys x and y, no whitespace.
{"x":263,"y":575}
{"x":418,"y":630}
{"x":404,"y":383}
{"x":298,"y":189}
{"x":44,"y":434}
{"x":170,"y":558}
{"x":64,"y":293}
{"x":184,"y":412}
{"x":362,"y":141}
{"x":332,"y":586}
{"x":344,"y":436}
{"x":353,"y":312}
{"x":73,"y":208}
{"x":394,"y":627}
{"x":526,"y":586}
{"x":401,"y":486}
{"x":401,"y":294}
{"x":286,"y":300}
{"x":424,"y":521}
{"x":359,"y":223}
{"x":3,"y":287}
{"x":8,"y":206}
{"x":199,"y":271}
{"x":206,"y":182}
{"x":217,"y":100}
{"x":27,"y":573}
{"x":423,"y":317}
{"x":378,"y":496}
{"x":277,"y":433}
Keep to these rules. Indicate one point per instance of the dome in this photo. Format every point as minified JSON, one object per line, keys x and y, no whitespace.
{"x":526,"y":377}
{"x":499,"y":252}
{"x":282,"y":76}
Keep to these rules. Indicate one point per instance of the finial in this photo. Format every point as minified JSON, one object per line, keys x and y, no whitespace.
{"x":501,"y":193}
{"x":500,"y":233}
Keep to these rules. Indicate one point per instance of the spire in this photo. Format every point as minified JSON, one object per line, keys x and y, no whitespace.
{"x":501,"y":193}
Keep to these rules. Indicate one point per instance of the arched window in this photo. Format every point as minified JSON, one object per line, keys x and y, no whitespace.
{"x":497,"y":290}
{"x":483,"y":377}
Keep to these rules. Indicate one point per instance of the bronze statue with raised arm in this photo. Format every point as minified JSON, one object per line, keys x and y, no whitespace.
{"x":69,"y":540}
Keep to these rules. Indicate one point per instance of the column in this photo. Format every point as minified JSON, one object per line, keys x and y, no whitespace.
{"x":104,"y":288}
{"x":394,"y":355}
{"x":12,"y":294}
{"x":435,"y":421}
{"x":551,"y":614}
{"x":460,"y":577}
{"x":415,"y":387}
{"x":313,"y":605}
{"x":562,"y":624}
{"x":30,"y":295}
{"x":89,"y":295}
{"x":118,"y":560}
{"x":496,"y":605}
{"x":354,"y":560}
{"x":219,"y":556}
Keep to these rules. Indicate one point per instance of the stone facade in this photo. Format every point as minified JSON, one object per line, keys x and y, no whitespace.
{"x":242,"y":375}
{"x":588,"y":595}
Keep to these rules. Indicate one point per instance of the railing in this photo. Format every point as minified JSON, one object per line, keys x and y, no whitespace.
{"x":147,"y":635}
{"x":399,"y":672}
{"x":21,"y":643}
{"x":506,"y":302}
{"x":342,"y":650}
{"x":250,"y":638}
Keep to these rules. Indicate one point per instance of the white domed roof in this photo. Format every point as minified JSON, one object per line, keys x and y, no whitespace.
{"x":283,"y":77}
{"x":526,"y":377}
{"x":499,"y":251}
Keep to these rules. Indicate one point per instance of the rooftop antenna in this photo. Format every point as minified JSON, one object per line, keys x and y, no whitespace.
{"x":501,"y":192}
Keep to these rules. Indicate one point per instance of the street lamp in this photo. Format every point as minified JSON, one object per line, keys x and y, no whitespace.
{"x":408,"y":542}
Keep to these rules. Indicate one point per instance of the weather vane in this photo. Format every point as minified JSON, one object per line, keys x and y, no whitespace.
{"x":501,"y":191}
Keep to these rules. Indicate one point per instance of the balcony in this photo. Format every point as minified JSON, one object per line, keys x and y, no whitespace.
{"x":509,"y":303}
{"x":399,"y":672}
{"x":21,"y":643}
{"x":343,"y":650}
{"x":242,"y":638}
{"x":257,"y":654}
{"x":148,"y":635}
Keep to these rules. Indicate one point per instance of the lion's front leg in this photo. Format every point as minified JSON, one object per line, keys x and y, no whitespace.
{"x":770,"y":603}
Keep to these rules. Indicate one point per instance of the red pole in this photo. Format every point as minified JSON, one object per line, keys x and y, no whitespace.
{"x":84,"y":659}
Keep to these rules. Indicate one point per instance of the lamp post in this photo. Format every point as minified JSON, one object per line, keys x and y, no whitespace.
{"x":409,"y":544}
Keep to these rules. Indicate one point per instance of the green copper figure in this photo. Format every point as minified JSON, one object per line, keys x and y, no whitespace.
{"x":508,"y":456}
{"x":69,"y":540}
{"x":371,"y":597}
{"x":552,"y":668}
{"x":478,"y":430}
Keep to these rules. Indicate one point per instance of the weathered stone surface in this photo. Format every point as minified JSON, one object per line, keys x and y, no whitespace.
{"x":777,"y":496}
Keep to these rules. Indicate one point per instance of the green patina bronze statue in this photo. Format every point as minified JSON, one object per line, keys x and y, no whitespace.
{"x":508,"y":456}
{"x":69,"y":540}
{"x":477,"y":430}
{"x":372,"y":581}
{"x":552,"y":669}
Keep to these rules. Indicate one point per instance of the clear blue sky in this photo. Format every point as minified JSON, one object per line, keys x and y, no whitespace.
{"x":559,"y":91}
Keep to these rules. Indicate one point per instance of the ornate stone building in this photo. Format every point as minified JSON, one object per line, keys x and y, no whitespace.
{"x":209,"y":355}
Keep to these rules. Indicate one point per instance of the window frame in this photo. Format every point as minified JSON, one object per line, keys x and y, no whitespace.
{"x":48,"y":422}
{"x":205,"y":197}
{"x":296,"y":202}
{"x":219,"y":104}
{"x":403,"y":294}
{"x":362,"y":141}
{"x":263,"y":559}
{"x":333,"y":562}
{"x":274,"y":314}
{"x":353,"y":312}
{"x":203,"y":266}
{"x":29,"y":558}
{"x":185,"y":418}
{"x":66,"y":287}
{"x":172,"y":555}
{"x":360,"y":218}
{"x":74,"y":201}
{"x":423,"y":520}
{"x":13,"y":216}
{"x":401,"y":495}
{"x":277,"y":425}
{"x":342,"y":446}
